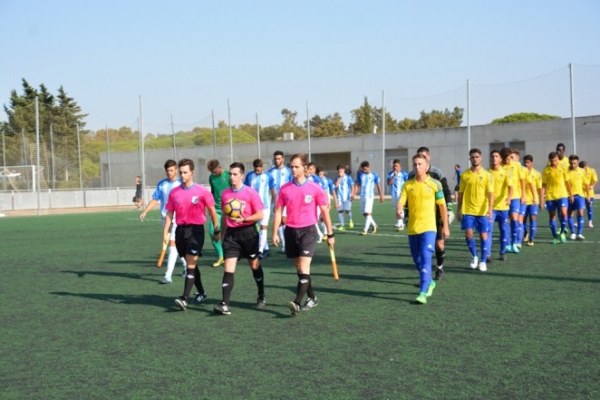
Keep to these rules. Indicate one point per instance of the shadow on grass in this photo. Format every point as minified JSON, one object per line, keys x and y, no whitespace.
{"x":520,"y":276}
{"x":128,"y":275}
{"x":349,"y":292}
{"x":166,"y":303}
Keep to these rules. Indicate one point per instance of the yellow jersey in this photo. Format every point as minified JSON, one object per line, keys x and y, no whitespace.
{"x":534,"y":177}
{"x":592,"y":178}
{"x":579,"y":182}
{"x":562,"y":162}
{"x":422,"y":198}
{"x":517,"y":174}
{"x":476,"y":187}
{"x":554,"y":179}
{"x":502,"y":185}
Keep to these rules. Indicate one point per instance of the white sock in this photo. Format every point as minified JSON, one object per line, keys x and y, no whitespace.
{"x":368,"y":221}
{"x":341,"y":217}
{"x":171,"y":260}
{"x":400,"y":223}
{"x":282,"y":236}
{"x":318,"y":230}
{"x":262,"y":238}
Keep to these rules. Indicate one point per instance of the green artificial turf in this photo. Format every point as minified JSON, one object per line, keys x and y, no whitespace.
{"x":83,"y":316}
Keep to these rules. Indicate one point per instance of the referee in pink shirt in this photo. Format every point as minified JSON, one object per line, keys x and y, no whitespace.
{"x":301,"y":198}
{"x":189,"y":203}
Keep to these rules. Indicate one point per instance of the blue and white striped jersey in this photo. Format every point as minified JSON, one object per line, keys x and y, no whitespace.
{"x":397,"y":183}
{"x":344,"y":188}
{"x":280,"y":176}
{"x":161,"y":193}
{"x":263,"y":184}
{"x":367,"y":184}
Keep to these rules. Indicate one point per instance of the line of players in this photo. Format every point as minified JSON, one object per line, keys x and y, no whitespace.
{"x":505,"y":173}
{"x":510,"y":195}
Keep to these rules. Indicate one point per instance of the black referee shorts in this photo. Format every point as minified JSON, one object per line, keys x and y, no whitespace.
{"x":189,"y":239}
{"x":241,"y":242}
{"x":300,"y":242}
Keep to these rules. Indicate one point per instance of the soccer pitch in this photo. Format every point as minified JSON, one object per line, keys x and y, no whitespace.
{"x":83,"y":316}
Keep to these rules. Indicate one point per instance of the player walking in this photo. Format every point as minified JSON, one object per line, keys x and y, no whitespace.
{"x":580,"y":188}
{"x":423,"y":193}
{"x":240,"y":238}
{"x":188,"y":203}
{"x":161,"y":194}
{"x":343,"y":189}
{"x":395,"y":180}
{"x":592,"y":178}
{"x":503,"y":191}
{"x":281,"y":175}
{"x":219,"y":181}
{"x":264,"y":185}
{"x":556,"y":194}
{"x":302,"y":198}
{"x":440,"y":243}
{"x":366,"y":183}
{"x":475,"y":207}
{"x":533,"y":194}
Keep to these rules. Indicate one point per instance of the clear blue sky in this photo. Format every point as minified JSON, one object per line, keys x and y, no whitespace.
{"x":186,"y":57}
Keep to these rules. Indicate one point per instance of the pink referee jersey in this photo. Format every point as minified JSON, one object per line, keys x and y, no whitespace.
{"x":249,"y":197}
{"x":301,"y":202}
{"x":189,"y":204}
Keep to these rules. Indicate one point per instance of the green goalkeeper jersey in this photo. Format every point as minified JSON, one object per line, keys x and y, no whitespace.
{"x":217,"y":185}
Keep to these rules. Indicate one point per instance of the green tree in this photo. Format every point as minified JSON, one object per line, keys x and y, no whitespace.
{"x":331,"y":125}
{"x":524,"y":117}
{"x":440,"y":119}
{"x":364,"y":121}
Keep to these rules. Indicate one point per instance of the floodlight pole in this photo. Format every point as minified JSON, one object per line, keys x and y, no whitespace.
{"x":173,"y":134}
{"x":258,"y":135}
{"x":383,"y":136}
{"x":230,"y":132}
{"x":573,"y":128}
{"x":108,"y":157}
{"x":468,"y":115}
{"x":53,"y":160}
{"x":37,"y":153}
{"x":214,"y":134}
{"x":308,"y":131}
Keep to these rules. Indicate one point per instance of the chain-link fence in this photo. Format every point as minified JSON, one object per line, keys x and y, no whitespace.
{"x":42,"y":152}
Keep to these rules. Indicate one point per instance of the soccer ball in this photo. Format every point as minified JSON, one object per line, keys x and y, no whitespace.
{"x":234,"y":208}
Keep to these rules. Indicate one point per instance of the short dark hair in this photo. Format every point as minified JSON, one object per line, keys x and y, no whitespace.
{"x":558,"y":146}
{"x":396,"y":161}
{"x":170,"y":163}
{"x":186,"y":161}
{"x":212,"y":164}
{"x":582,"y":164}
{"x":505,"y":152}
{"x":423,"y":149}
{"x":474,"y":150}
{"x":257,"y":163}
{"x":552,"y":155}
{"x":319,"y":169}
{"x":528,"y":157}
{"x":238,"y":165}
{"x":312,"y":164}
{"x":419,"y":155}
{"x":278,"y":153}
{"x":340,"y":166}
{"x":495,"y":151}
{"x":364,"y":164}
{"x":573,"y":157}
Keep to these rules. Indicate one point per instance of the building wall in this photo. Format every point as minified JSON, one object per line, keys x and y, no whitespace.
{"x":448,"y":147}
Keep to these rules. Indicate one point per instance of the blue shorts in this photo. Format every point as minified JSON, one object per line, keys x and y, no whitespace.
{"x":522,"y":209}
{"x":553,"y":205}
{"x":515,"y":206}
{"x":419,"y":243}
{"x":479,"y":223}
{"x":577,"y":204}
{"x":532,"y":209}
